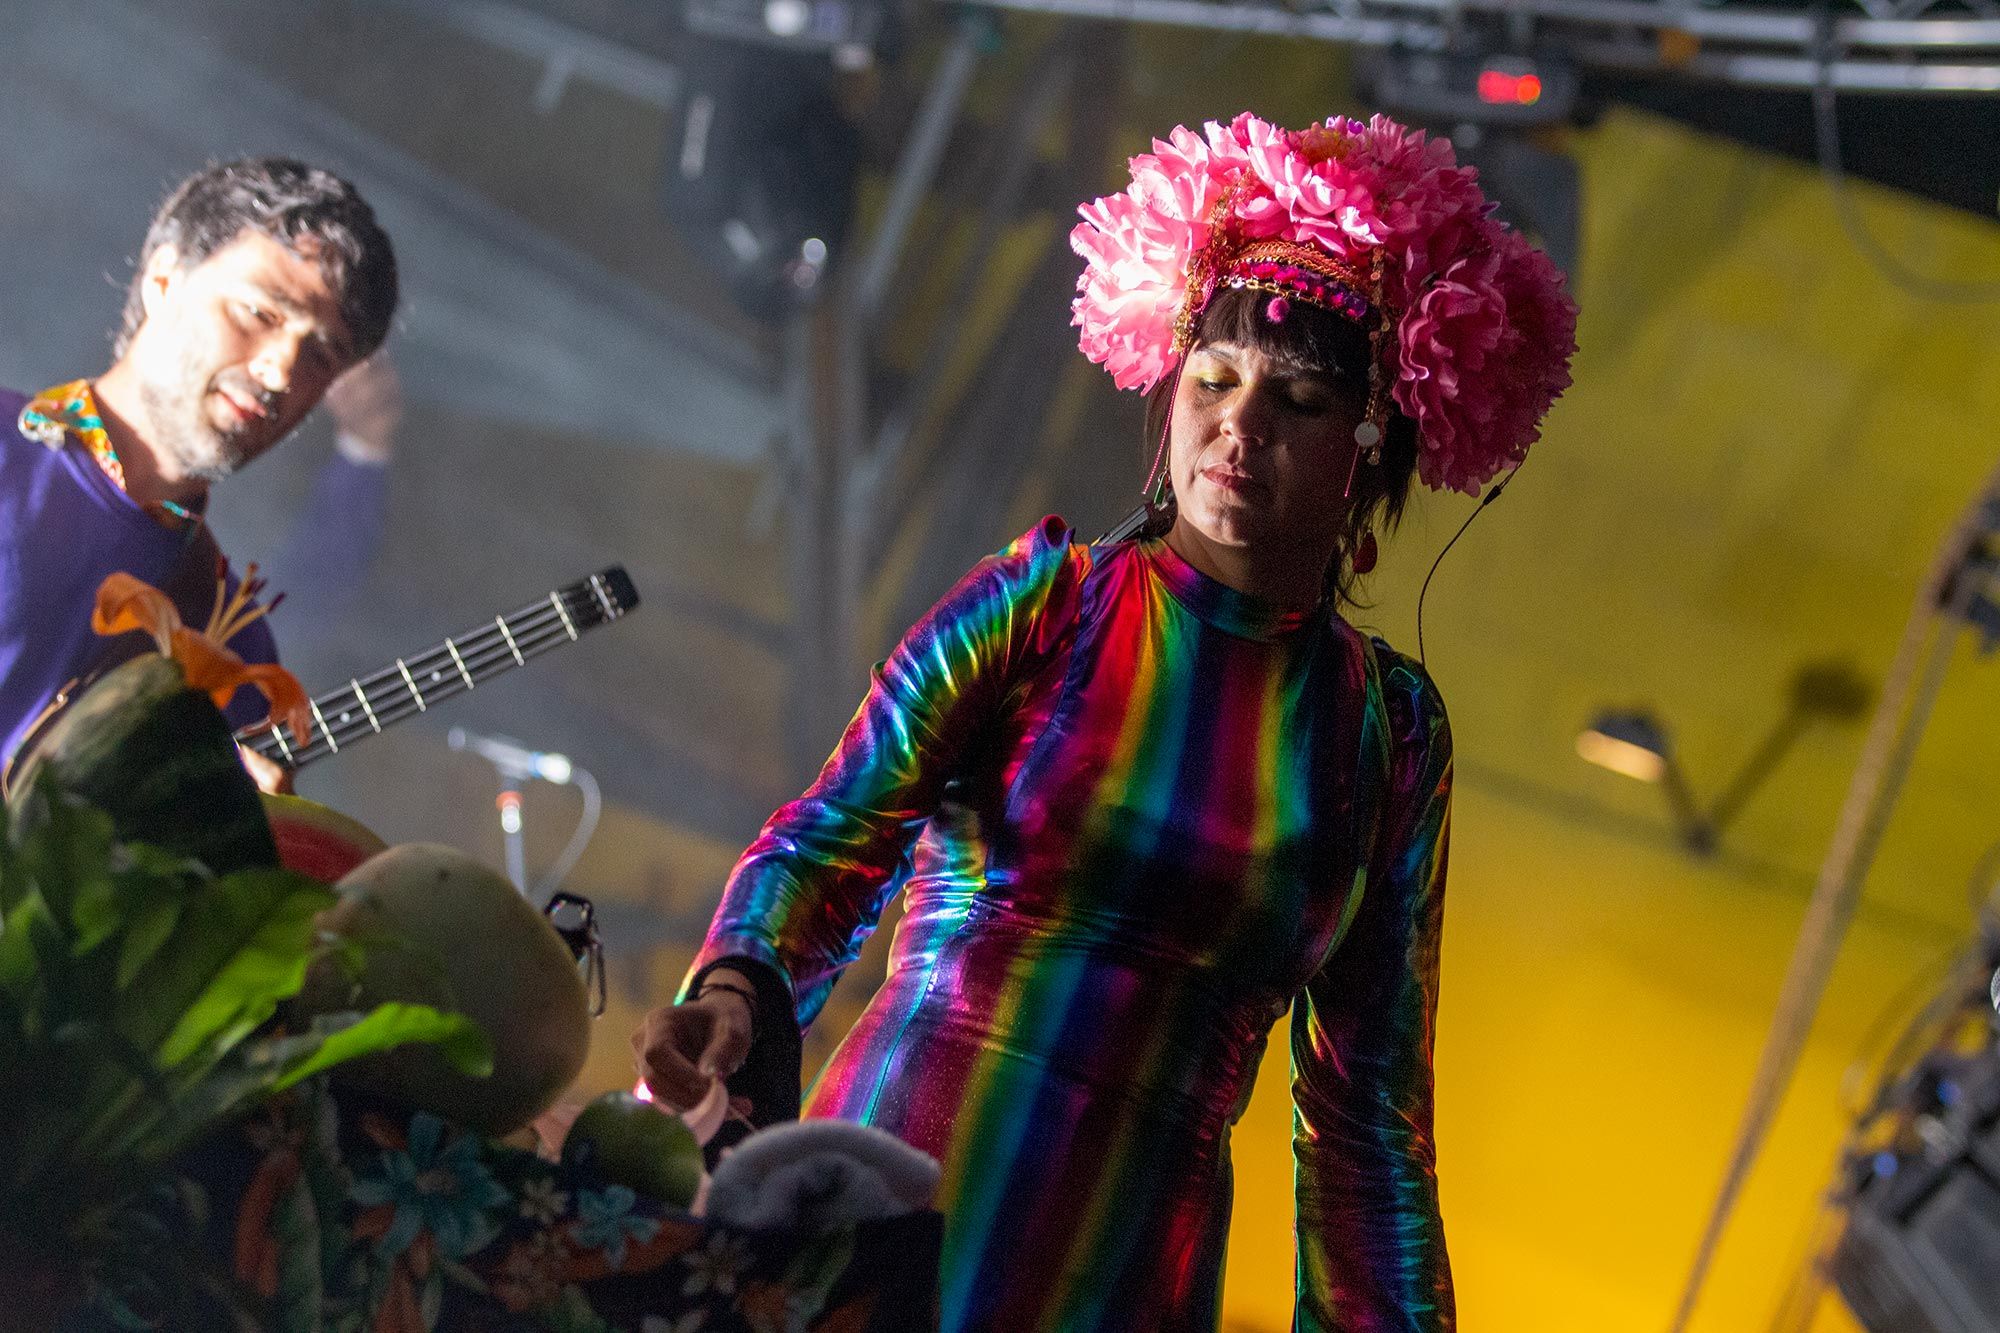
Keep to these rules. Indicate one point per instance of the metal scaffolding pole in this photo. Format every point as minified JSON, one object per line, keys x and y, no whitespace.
{"x":1915,"y":49}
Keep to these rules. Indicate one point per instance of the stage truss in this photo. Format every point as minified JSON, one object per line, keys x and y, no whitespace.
{"x":1873,"y":46}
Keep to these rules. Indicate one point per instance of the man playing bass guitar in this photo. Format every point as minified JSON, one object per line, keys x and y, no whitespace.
{"x":260,"y":284}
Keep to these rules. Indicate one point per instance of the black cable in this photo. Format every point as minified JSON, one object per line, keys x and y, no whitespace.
{"x":1480,"y":508}
{"x":1134,"y":522}
{"x":1826,"y":129}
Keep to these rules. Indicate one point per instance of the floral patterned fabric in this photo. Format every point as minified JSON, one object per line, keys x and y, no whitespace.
{"x":336,"y":1216}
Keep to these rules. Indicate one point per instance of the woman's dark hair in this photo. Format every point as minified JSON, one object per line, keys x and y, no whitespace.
{"x":291,"y":203}
{"x":1322,"y":343}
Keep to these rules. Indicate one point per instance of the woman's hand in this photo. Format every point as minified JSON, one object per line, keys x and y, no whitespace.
{"x":683,"y":1048}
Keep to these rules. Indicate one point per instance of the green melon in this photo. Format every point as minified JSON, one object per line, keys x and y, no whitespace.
{"x":475,"y":947}
{"x":160,"y":760}
{"x":636,"y":1144}
{"x":318,"y":841}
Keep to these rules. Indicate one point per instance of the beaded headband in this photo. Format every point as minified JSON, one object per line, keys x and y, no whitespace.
{"x":1294,"y":273}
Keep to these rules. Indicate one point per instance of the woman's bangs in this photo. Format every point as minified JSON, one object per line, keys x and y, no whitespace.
{"x":1307,"y":338}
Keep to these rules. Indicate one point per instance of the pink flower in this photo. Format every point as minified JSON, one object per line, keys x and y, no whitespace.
{"x":1481,"y":356}
{"x":1446,"y":341}
{"x":1325,"y":201}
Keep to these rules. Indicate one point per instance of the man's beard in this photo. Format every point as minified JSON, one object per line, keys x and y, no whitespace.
{"x":176,"y":413}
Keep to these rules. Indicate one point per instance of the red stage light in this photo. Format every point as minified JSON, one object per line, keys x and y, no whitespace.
{"x":1499,"y":88}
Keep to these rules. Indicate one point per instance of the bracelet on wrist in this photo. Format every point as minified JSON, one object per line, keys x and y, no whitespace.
{"x":744,"y":993}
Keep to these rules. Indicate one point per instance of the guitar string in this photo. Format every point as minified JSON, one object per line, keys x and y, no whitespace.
{"x":484,"y":635}
{"x":479,"y":654}
{"x":482,"y":661}
{"x":579,"y":599}
{"x":480,"y":639}
{"x":489,"y":659}
{"x":479,"y":651}
{"x":481,"y":669}
{"x":345,"y":729}
{"x":535,"y":628}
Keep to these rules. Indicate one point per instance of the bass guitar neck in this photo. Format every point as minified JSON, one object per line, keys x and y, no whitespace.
{"x":367,"y":705}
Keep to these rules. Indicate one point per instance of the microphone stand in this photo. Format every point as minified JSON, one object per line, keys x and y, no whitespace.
{"x":514,"y":763}
{"x":512,"y":838}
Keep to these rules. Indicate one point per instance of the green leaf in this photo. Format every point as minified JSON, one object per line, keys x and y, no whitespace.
{"x":32,"y":948}
{"x":347,"y":955}
{"x":143,"y":880}
{"x":13,"y":876}
{"x":572,"y":1313}
{"x":156,"y":863}
{"x":97,"y":914}
{"x":815,"y":1269}
{"x":194,"y":1110}
{"x":90,"y":1091}
{"x":241,"y":945}
{"x":147,"y":883}
{"x":301,"y":1287}
{"x":430,"y":1299}
{"x":151,"y":927}
{"x":13,"y":1045}
{"x":65,"y":848}
{"x":344,"y":1037}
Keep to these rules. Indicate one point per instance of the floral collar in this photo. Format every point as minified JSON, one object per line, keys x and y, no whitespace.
{"x":70,"y":409}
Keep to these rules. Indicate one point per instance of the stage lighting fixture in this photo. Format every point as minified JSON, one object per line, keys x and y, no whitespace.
{"x":1629,"y":743}
{"x":1477,"y":88}
{"x":850,"y":31}
{"x":1920,"y":1174}
{"x":1499,"y":87}
{"x":1632,"y":742}
{"x":1490,"y":103}
{"x":760,"y":172}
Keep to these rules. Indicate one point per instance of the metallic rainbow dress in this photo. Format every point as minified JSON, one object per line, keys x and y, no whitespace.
{"x":1148,"y":814}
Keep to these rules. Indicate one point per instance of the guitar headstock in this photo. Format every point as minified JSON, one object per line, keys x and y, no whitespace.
{"x":614,"y":585}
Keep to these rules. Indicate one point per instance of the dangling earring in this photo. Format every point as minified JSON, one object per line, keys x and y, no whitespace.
{"x":1364,"y":554}
{"x":1369,"y":433}
{"x":1369,"y":436}
{"x":1367,"y":440}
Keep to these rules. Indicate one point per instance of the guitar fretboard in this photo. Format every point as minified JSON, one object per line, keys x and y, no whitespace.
{"x":351,"y":713}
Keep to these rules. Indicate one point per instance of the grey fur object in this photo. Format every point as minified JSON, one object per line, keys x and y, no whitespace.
{"x":815,"y":1175}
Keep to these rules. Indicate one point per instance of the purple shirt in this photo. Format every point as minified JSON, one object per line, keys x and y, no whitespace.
{"x":63,"y":527}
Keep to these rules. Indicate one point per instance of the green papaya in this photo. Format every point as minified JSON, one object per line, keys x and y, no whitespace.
{"x":638,"y":1145}
{"x":160,"y":759}
{"x":476,"y":947}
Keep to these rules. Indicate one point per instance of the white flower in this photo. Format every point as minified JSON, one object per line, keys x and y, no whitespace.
{"x":716,"y":1267}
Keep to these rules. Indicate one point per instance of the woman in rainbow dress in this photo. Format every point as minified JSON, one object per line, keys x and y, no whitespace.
{"x":1143,"y":796}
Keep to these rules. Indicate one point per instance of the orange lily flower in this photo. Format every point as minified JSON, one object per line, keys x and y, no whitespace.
{"x":126,"y":603}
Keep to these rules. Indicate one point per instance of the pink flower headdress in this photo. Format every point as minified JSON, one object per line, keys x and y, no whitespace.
{"x":1472,"y":328}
